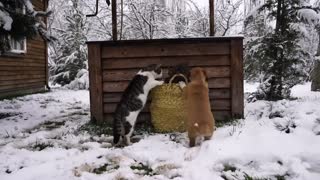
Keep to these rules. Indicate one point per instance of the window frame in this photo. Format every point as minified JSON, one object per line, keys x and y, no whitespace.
{"x":24,"y":43}
{"x":18,"y":51}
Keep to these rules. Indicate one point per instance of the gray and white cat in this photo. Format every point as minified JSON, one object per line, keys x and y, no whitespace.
{"x":133,"y":101}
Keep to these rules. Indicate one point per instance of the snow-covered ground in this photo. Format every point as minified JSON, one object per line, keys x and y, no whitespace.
{"x":40,"y":139}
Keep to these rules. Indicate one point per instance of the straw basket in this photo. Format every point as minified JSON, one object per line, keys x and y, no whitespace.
{"x":167,"y":107}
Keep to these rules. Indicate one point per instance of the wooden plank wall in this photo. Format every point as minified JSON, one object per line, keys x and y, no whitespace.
{"x":23,"y":73}
{"x":120,"y":62}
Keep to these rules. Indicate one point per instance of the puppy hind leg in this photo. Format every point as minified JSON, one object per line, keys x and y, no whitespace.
{"x":206,"y":138}
{"x":208,"y":133}
{"x":192,"y":141}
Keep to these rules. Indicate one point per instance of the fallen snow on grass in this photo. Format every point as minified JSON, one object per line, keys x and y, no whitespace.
{"x":276,"y":140}
{"x":28,"y":111}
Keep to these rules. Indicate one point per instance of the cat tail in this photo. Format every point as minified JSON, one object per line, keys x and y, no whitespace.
{"x":118,"y":127}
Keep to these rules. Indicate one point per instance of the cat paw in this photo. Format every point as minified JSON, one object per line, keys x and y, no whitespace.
{"x":160,"y":82}
{"x":128,"y":143}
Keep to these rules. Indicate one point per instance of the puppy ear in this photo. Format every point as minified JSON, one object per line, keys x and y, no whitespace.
{"x":205,"y":74}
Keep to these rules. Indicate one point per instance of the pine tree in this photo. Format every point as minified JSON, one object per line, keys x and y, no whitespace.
{"x":315,"y":75}
{"x":17,"y":25}
{"x":71,"y":64}
{"x":280,"y":59}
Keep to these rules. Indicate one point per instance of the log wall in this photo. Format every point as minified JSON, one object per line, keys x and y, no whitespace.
{"x":25,"y":73}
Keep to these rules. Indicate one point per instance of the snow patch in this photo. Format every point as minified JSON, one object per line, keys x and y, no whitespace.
{"x":258,"y":147}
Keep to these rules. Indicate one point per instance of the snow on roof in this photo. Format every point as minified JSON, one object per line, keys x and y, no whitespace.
{"x":5,"y":20}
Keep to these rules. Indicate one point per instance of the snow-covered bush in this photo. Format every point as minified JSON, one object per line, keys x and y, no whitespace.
{"x":81,"y":81}
{"x":70,"y":63}
{"x":276,"y":56}
{"x":311,"y":16}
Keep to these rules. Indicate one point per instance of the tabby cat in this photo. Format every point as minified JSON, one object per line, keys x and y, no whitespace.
{"x":132,"y":102}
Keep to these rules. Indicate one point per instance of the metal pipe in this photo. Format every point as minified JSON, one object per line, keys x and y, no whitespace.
{"x":211,"y":17}
{"x":114,"y":20}
{"x":91,"y":15}
{"x":97,"y":7}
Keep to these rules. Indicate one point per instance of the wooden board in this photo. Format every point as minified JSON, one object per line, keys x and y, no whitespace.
{"x":237,"y":79}
{"x":128,"y":74}
{"x":213,"y":94}
{"x":166,"y":50}
{"x":221,"y":104}
{"x":122,"y":85}
{"x":21,"y":77}
{"x":95,"y":80}
{"x":19,"y":85}
{"x":192,"y":61}
{"x":22,"y":64}
{"x":19,"y":69}
{"x":18,"y":73}
{"x":22,"y":81}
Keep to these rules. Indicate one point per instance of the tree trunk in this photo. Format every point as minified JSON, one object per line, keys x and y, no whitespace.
{"x":279,"y":14}
{"x":315,"y":74}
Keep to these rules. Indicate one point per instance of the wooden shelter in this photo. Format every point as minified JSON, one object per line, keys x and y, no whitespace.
{"x":23,"y":70}
{"x":112,"y":64}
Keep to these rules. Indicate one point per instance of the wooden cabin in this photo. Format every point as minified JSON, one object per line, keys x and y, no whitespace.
{"x":24,"y":69}
{"x":112,"y":64}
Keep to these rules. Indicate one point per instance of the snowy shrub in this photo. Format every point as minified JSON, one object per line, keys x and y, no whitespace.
{"x":81,"y":80}
{"x":70,"y":63}
{"x":276,"y":57}
{"x":286,"y":127}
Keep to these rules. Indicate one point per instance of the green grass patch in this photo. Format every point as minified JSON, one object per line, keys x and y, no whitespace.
{"x":6,"y":115}
{"x":39,"y":146}
{"x":94,"y":128}
{"x":105,"y":168}
{"x":50,"y":125}
{"x":227,"y":122}
{"x":228,"y":167}
{"x":143,"y":169}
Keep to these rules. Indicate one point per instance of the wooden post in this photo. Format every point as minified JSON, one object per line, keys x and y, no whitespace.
{"x":95,"y":82}
{"x":114,"y":20}
{"x":211,"y":17}
{"x":237,"y":102}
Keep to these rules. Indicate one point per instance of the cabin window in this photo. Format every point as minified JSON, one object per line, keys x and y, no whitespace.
{"x":19,"y":46}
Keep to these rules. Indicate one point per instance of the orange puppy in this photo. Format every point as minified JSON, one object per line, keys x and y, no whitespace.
{"x":200,"y":121}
